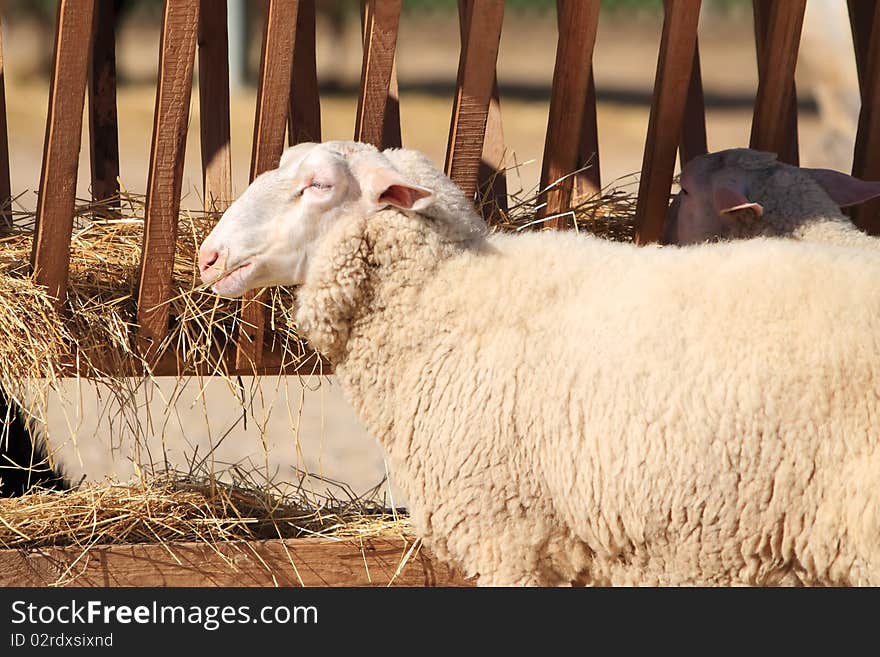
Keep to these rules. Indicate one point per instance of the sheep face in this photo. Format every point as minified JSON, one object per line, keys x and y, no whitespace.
{"x":269,"y":235}
{"x":714,"y":199}
{"x":738,"y":193}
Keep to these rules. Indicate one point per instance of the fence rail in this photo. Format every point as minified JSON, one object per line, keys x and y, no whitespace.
{"x":388,"y":561}
{"x":288,"y":104}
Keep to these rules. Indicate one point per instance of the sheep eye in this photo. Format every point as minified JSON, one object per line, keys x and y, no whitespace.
{"x":315,"y":184}
{"x":684,"y":191}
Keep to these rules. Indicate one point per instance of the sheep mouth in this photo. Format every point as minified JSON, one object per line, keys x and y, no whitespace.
{"x":233,"y":283}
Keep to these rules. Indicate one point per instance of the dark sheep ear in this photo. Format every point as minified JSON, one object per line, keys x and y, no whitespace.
{"x":728,"y":199}
{"x":845,"y":190}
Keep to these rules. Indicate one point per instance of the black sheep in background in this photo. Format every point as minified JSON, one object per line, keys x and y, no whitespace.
{"x":24,"y":462}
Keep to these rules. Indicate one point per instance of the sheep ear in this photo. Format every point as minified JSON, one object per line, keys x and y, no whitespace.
{"x":383,"y":186}
{"x":843,"y":189}
{"x":405,"y":197}
{"x":728,"y":199}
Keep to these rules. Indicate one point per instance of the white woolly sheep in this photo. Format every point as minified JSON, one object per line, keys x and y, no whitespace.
{"x":742,"y":193}
{"x":560,"y":408}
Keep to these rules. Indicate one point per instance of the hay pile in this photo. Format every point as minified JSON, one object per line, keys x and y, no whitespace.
{"x":178,"y":506}
{"x":609,"y":215}
{"x":182,"y":507}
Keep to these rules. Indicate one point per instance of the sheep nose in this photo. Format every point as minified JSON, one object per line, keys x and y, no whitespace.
{"x":207,"y":260}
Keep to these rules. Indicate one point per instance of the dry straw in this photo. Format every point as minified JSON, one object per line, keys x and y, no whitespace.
{"x":183,"y":506}
{"x":610,"y":214}
{"x":96,"y":337}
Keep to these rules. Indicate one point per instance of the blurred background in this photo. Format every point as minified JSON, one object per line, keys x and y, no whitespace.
{"x":306,"y":425}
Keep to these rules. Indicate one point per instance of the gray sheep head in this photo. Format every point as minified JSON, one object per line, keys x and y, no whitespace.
{"x":742,"y":193}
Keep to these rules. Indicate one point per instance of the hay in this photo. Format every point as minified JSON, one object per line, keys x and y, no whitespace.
{"x":180,"y":507}
{"x":97,"y":337}
{"x":609,"y":214}
{"x":177,"y":506}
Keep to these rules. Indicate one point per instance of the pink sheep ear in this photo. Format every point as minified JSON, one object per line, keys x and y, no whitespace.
{"x":845,"y":190}
{"x":405,"y":197}
{"x":728,"y":199}
{"x":383,"y":186}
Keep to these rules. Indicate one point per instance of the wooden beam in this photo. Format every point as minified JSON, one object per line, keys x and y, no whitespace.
{"x":288,"y":562}
{"x":304,"y":120}
{"x":473,"y":94}
{"x":861,"y":17}
{"x":577,"y":20}
{"x":777,"y":37}
{"x":103,"y":120}
{"x":391,"y":134}
{"x":50,"y":256}
{"x":693,"y":132}
{"x":491,"y":178}
{"x":273,"y":91}
{"x":214,"y":106}
{"x":5,"y":184}
{"x":381,"y":20}
{"x":177,"y":49}
{"x":589,"y":181}
{"x":866,"y":160}
{"x":270,"y":123}
{"x":170,"y":363}
{"x":671,"y":84}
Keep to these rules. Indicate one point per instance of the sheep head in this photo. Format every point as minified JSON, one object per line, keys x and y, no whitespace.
{"x":725,"y":195}
{"x":269,"y":235}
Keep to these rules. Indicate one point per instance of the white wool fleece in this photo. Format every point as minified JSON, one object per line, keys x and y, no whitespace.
{"x":558,"y":408}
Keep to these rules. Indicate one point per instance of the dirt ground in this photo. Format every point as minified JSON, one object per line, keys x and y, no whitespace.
{"x":299,"y":424}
